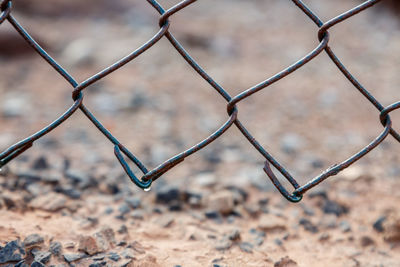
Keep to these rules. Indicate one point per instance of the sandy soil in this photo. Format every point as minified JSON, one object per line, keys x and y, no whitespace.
{"x":217,"y":208}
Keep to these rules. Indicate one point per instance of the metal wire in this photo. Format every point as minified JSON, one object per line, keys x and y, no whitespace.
{"x":148,"y":177}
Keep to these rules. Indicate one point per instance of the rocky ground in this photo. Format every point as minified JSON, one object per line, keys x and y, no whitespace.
{"x":67,"y":201}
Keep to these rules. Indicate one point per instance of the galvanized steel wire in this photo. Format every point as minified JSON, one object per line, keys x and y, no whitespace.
{"x":149,"y":176}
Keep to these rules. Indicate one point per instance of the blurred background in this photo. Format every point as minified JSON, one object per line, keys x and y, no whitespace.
{"x":157,"y":106}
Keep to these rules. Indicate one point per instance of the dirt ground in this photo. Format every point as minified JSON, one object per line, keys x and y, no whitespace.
{"x":67,"y":201}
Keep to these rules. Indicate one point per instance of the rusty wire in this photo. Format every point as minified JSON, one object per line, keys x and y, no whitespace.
{"x":150,"y":176}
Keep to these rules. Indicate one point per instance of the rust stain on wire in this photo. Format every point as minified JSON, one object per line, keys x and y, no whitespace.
{"x":149,"y":176}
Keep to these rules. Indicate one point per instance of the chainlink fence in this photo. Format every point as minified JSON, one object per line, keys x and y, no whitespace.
{"x":149,"y":176}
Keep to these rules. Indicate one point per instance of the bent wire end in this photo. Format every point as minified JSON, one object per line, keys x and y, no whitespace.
{"x":291,"y":197}
{"x":143,"y":185}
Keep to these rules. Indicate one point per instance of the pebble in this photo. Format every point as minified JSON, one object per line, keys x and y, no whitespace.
{"x":391,"y":228}
{"x":12,"y":251}
{"x":123,"y":229}
{"x":91,"y":245}
{"x":166,"y":221}
{"x":234,"y":235}
{"x":307,"y":209}
{"x":79,"y":178}
{"x":366,"y":241}
{"x":378,"y":224}
{"x":42,"y":256}
{"x":308,"y":226}
{"x":246,"y":247}
{"x":37,"y":264}
{"x":124,"y":208}
{"x":345,"y":226}
{"x":55,"y":248}
{"x":222,"y":202}
{"x":133,"y":202}
{"x":114,"y":256}
{"x":40,"y":164}
{"x":224,"y":244}
{"x":128,"y":253}
{"x":137,"y":214}
{"x":285,"y":262}
{"x":49,"y":202}
{"x":108,"y":210}
{"x":212,"y":214}
{"x":167,"y":195}
{"x":333,"y":207}
{"x":71,"y":257}
{"x":68,"y":191}
{"x":271,"y":223}
{"x":33,"y":240}
{"x":239,"y":194}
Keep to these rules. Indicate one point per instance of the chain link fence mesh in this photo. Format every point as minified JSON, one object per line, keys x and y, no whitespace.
{"x":149,"y":176}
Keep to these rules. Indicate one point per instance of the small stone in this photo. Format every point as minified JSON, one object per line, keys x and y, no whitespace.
{"x":367,"y":241}
{"x":12,"y":252}
{"x":108,"y":210}
{"x":123,"y":229}
{"x":114,"y":256}
{"x":175,"y":206}
{"x":49,"y":202}
{"x":285,"y":262}
{"x":33,"y":240}
{"x":55,"y":248}
{"x":167,"y":195}
{"x":224,"y":244}
{"x":136,"y":246}
{"x":378,"y":224}
{"x":246,"y":247}
{"x":69,"y":245}
{"x":90,"y":245}
{"x":78,"y":178}
{"x":324,"y":237}
{"x":222,"y":201}
{"x":40,"y":164}
{"x":137,"y":214}
{"x":99,"y":257}
{"x":124,"y":208}
{"x":128,"y":253}
{"x":234,"y":235}
{"x":345,"y":226}
{"x":239,"y":194}
{"x":106,"y":234}
{"x":166,"y":221}
{"x":332,"y":207}
{"x":133,"y":202}
{"x":308,"y":226}
{"x":307,"y":210}
{"x":391,"y":228}
{"x":271,"y":223}
{"x":42,"y":256}
{"x":212,"y":214}
{"x":37,"y":264}
{"x":74,"y":257}
{"x":68,"y":191}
